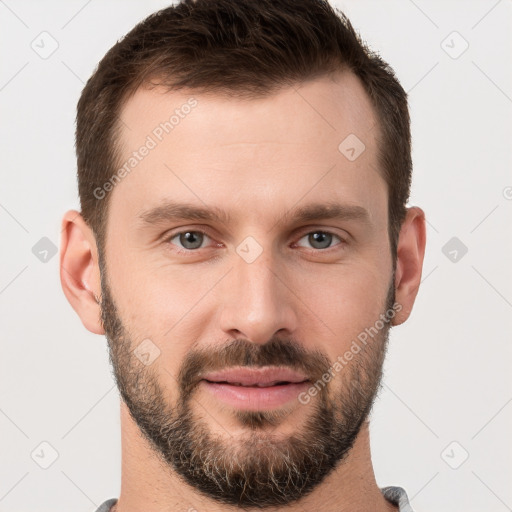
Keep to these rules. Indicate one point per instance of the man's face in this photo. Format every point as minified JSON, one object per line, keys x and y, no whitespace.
{"x":261,"y":289}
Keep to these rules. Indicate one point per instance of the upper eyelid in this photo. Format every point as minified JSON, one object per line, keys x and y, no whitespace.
{"x":341,"y":238}
{"x":306,"y":230}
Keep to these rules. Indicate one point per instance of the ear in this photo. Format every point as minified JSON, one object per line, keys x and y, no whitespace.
{"x":410,"y":253}
{"x":79,"y":270}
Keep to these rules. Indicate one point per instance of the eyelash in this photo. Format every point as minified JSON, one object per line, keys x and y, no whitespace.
{"x":189,"y":252}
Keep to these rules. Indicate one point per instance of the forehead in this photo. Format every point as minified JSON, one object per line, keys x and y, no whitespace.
{"x":331,"y":105}
{"x":316,"y":139}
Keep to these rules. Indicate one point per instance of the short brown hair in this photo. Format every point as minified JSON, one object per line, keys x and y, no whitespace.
{"x":246,"y":48}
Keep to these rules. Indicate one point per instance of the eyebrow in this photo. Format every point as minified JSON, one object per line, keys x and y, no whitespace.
{"x":173,"y":211}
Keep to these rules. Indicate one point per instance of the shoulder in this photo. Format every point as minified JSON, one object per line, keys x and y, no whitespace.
{"x":107,"y":505}
{"x":397,"y":496}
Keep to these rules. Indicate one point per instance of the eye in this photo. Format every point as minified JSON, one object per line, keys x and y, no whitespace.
{"x":189,"y":240}
{"x":321,"y":240}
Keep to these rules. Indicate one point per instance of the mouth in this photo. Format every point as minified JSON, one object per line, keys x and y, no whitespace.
{"x":260,"y":377}
{"x":255,"y":388}
{"x":255,"y":385}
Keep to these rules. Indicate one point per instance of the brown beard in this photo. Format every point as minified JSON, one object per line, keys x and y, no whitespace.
{"x":259,"y":469}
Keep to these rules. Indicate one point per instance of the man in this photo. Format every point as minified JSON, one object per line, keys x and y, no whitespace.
{"x":244,"y":243}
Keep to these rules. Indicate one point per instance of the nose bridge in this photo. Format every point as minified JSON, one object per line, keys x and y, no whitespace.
{"x":258,"y":303}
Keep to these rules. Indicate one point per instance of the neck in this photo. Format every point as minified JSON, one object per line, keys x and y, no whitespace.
{"x":150,"y":485}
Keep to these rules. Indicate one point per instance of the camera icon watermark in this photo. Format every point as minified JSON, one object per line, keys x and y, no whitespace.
{"x":44,"y":250}
{"x":44,"y":455}
{"x":45,"y":45}
{"x":249,"y":249}
{"x":454,"y":249}
{"x":351,"y":147}
{"x":454,"y":45}
{"x":146,"y":352}
{"x":455,"y":455}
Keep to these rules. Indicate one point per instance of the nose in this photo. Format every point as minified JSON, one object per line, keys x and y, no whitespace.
{"x":258,"y":302}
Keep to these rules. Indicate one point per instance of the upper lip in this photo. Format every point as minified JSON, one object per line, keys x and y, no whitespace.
{"x":263,"y":376}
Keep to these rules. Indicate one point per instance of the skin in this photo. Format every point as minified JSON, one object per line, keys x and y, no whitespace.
{"x":258,"y":160}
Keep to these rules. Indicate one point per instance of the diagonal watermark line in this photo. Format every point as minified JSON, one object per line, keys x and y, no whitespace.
{"x":73,"y":427}
{"x":417,"y":492}
{"x":302,"y":197}
{"x":384,"y":384}
{"x":296,"y":90}
{"x":491,"y":80}
{"x":14,"y":485}
{"x":123,"y":123}
{"x":485,"y":15}
{"x":14,"y":76}
{"x":484,"y":218}
{"x":204,"y":295}
{"x":423,"y":77}
{"x":424,"y":13}
{"x":501,"y":409}
{"x":332,"y":332}
{"x":13,"y":217}
{"x":14,"y":423}
{"x":431,"y":272}
{"x":508,"y":508}
{"x":12,"y":280}
{"x":494,"y":288}
{"x":72,"y":72}
{"x":76,"y":14}
{"x":81,"y":490}
{"x":12,"y":12}
{"x":432,"y":226}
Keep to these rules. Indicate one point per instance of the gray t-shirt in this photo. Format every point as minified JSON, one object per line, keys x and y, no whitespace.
{"x":396,"y":495}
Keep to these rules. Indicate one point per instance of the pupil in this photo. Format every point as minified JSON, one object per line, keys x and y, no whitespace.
{"x":320,"y":237}
{"x":191,"y":240}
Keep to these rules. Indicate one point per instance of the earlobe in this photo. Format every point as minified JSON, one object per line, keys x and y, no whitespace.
{"x":79,"y":270}
{"x":410,"y":254}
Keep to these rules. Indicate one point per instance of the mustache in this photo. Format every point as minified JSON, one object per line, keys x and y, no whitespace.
{"x":241,"y":352}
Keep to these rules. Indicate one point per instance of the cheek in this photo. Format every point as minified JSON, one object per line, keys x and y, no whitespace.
{"x":345,"y":301}
{"x":163,"y":304}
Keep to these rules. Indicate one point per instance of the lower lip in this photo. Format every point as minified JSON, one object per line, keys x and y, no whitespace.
{"x":255,"y":398}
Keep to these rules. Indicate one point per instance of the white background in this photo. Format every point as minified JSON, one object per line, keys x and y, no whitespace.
{"x":447,"y":377}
